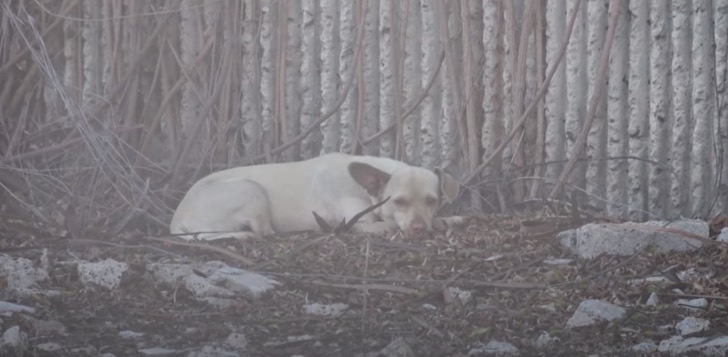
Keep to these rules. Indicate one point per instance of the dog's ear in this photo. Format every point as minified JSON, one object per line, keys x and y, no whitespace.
{"x":371,"y":178}
{"x":448,"y":186}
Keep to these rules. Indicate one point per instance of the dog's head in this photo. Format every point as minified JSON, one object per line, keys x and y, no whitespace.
{"x":415,"y":193}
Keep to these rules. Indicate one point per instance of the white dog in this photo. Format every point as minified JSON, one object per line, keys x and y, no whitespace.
{"x":278,"y":198}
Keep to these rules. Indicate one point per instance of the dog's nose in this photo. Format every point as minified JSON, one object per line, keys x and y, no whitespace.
{"x":418,"y":226}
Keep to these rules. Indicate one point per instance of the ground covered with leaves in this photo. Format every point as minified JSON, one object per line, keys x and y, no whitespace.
{"x":443,"y":294}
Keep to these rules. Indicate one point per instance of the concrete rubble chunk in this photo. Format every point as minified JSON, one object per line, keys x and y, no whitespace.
{"x":691,"y":324}
{"x":130,"y":335}
{"x":706,"y":346}
{"x":452,"y":294}
{"x":106,"y":273}
{"x":594,"y":239}
{"x":236,"y":340}
{"x":653,"y":300}
{"x":590,"y":312}
{"x":20,"y":272}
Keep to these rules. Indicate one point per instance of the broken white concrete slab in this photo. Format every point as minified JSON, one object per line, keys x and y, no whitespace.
{"x":20,"y":272}
{"x":216,"y":282}
{"x":158,"y":352}
{"x":558,"y":261}
{"x":590,"y":312}
{"x":592,"y":240}
{"x":691,"y":324}
{"x":236,"y":340}
{"x":7,"y":307}
{"x":706,"y":346}
{"x":48,"y":346}
{"x":545,"y":339}
{"x":494,"y":348}
{"x":331,"y":310}
{"x":106,"y":273}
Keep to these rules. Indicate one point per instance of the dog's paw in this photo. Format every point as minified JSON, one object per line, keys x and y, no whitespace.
{"x":443,"y":223}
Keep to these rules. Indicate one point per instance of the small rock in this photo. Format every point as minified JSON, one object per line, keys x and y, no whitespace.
{"x":239,"y":280}
{"x":332,"y":310}
{"x":694,"y":304}
{"x":558,"y":261}
{"x":648,"y":346}
{"x":723,"y":236}
{"x":452,"y":293}
{"x":106,"y":273}
{"x":13,"y":339}
{"x":397,"y":348}
{"x":6,"y":307}
{"x":691,"y":324}
{"x":130,"y":335}
{"x":429,"y":307}
{"x":591,"y":311}
{"x":653,"y":300}
{"x":494,"y":348}
{"x":48,"y":346}
{"x":236,"y":340}
{"x":210,"y":351}
{"x":158,"y":352}
{"x":545,"y":339}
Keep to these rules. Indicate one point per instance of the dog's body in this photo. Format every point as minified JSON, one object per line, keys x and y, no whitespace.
{"x":278,"y":198}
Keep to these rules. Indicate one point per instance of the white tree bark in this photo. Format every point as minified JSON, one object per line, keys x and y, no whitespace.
{"x":329,"y":70}
{"x":371,"y":76}
{"x":704,"y":134}
{"x":347,"y":35}
{"x":720,"y":14}
{"x":294,"y":59}
{"x":267,"y":77}
{"x":682,"y":105}
{"x":310,"y":83}
{"x":386,"y":76}
{"x":596,"y":149}
{"x":250,"y":80}
{"x":431,"y":106}
{"x":556,"y":95}
{"x":639,"y":104}
{"x":660,"y":105}
{"x":617,"y":116}
{"x":492,"y":130}
{"x":576,"y":89}
{"x":192,"y":29}
{"x":412,"y":78}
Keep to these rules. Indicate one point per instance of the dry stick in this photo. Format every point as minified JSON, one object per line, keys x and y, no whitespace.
{"x":409,"y":111}
{"x":452,"y":75}
{"x":519,"y":69}
{"x":207,"y":247}
{"x":24,"y":52}
{"x":314,"y":125}
{"x":600,"y":83}
{"x":532,"y":106}
{"x":58,"y":147}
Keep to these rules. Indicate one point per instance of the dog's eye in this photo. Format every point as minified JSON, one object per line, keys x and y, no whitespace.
{"x":401,"y":201}
{"x":431,"y":201}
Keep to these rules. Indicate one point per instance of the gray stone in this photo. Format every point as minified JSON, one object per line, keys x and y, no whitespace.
{"x":690,"y":325}
{"x":14,"y":339}
{"x":694,"y":304}
{"x":332,"y":310}
{"x":648,"y":346}
{"x":20,"y":272}
{"x":707,"y":346}
{"x":592,"y":240}
{"x":236,"y":340}
{"x":158,"y":352}
{"x":591,"y":311}
{"x":10,"y":307}
{"x":130,"y":335}
{"x":494,"y":348}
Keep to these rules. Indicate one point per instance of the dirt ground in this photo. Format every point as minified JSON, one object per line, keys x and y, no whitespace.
{"x":394,"y":287}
